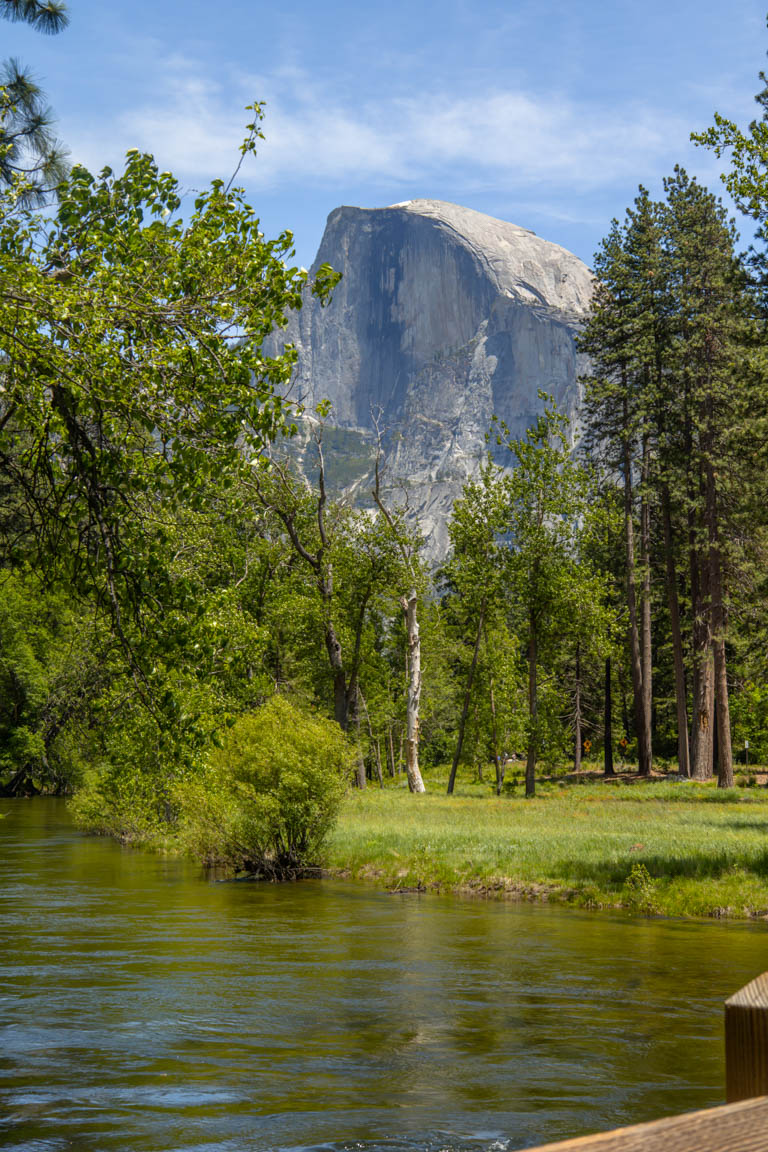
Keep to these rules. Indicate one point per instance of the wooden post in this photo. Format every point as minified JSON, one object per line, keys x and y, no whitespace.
{"x":746,"y":1041}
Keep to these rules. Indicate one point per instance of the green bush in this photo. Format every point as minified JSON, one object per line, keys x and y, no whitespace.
{"x":640,"y":890}
{"x":270,"y":795}
{"x":130,"y":771}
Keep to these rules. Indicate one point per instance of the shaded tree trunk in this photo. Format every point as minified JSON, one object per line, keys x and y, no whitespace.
{"x":360,"y":777}
{"x":681,"y":695}
{"x":608,"y":769}
{"x":496,"y":754}
{"x":724,"y":750}
{"x":340,"y":701}
{"x":703,"y":701}
{"x":353,"y":722}
{"x":499,"y":768}
{"x":467,"y":695}
{"x":20,"y":784}
{"x":646,"y":655}
{"x":636,"y":668}
{"x":622,"y":676}
{"x":703,"y":679}
{"x":533,"y":710}
{"x":577,"y":713}
{"x":375,"y":748}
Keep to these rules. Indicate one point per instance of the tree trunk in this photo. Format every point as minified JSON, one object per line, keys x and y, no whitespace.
{"x":636,"y":668}
{"x":353,"y":721}
{"x":608,"y":724}
{"x":340,"y":700}
{"x":681,"y":695}
{"x":496,"y":755}
{"x":415,"y":782}
{"x":360,"y":777}
{"x":20,"y":784}
{"x":499,"y":769}
{"x":645,"y":550}
{"x":624,"y":689}
{"x":467,"y":694}
{"x":577,"y":713}
{"x":533,"y":711}
{"x":390,"y":752}
{"x":724,"y":750}
{"x":701,"y":719}
{"x":374,"y":741}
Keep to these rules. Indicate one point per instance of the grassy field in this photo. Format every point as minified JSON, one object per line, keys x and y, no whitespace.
{"x":653,"y":847}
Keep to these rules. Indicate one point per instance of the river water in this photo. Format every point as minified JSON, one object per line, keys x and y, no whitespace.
{"x":144,"y":1007}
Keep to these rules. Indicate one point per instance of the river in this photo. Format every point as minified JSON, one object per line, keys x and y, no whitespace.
{"x":144,"y":1007}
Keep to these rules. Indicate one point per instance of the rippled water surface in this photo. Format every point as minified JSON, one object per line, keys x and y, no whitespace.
{"x":143,"y":1008}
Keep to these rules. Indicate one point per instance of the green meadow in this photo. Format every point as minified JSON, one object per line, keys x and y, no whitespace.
{"x":656,"y":847}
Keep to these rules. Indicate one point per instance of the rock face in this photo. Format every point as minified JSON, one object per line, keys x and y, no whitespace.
{"x":444,"y":318}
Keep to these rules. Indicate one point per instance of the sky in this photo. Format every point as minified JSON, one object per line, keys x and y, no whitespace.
{"x":547,"y":113}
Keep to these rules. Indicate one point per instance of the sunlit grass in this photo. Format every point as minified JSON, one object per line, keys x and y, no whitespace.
{"x":674,"y":848}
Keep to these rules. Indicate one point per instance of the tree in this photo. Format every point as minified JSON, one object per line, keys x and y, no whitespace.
{"x":710,"y":311}
{"x":48,"y":16}
{"x":54,"y":662}
{"x":407,"y":546}
{"x":620,"y":339}
{"x":554,"y":589}
{"x":518,"y":568}
{"x":666,"y":340}
{"x":29,"y":150}
{"x":475,"y":573}
{"x":132,"y":366}
{"x":356,"y":562}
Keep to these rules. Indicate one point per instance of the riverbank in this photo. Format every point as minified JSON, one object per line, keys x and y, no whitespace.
{"x":145,"y":1008}
{"x":652,"y":847}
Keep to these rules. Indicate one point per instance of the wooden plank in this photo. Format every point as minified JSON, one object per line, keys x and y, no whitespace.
{"x":741,"y":1127}
{"x":746,"y":1041}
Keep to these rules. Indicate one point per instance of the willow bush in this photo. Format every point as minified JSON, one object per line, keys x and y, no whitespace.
{"x":269,"y":796}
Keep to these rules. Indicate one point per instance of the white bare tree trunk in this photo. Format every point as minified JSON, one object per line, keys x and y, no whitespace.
{"x":415,"y":782}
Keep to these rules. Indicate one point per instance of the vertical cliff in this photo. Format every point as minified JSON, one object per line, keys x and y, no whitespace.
{"x":444,"y":318}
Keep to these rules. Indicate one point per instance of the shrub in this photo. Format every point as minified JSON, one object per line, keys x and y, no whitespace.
{"x":270,"y":795}
{"x":639,"y":890}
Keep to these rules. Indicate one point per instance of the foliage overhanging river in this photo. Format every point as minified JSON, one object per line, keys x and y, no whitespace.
{"x":145,"y":1008}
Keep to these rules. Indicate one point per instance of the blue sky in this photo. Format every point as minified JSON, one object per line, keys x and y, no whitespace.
{"x":547,"y":113}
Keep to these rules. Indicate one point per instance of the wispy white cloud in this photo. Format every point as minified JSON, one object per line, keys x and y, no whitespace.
{"x":194,"y":125}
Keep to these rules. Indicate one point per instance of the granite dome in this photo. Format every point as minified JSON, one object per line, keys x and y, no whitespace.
{"x":444,"y":317}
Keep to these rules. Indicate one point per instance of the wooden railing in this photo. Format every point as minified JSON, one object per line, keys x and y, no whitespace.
{"x":741,"y":1125}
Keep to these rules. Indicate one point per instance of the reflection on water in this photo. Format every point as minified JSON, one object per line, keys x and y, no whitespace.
{"x":144,"y":1008}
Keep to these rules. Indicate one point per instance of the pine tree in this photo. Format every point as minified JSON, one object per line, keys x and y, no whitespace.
{"x":708,"y":304}
{"x":669,"y":320}
{"x":615,"y":416}
{"x":29,"y":150}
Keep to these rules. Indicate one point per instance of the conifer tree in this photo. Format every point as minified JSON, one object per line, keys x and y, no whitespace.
{"x":706,"y":288}
{"x":663,"y":338}
{"x":615,"y":428}
{"x":29,"y":149}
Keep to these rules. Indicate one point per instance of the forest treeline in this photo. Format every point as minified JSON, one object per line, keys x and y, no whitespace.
{"x":167,"y":570}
